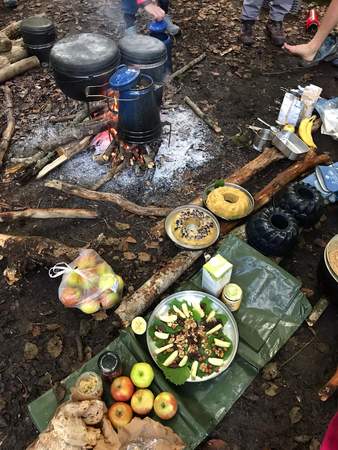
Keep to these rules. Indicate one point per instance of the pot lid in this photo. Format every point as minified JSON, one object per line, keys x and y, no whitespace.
{"x":124,"y":77}
{"x":36,"y":24}
{"x":141,"y":49}
{"x":84,"y":54}
{"x":158,"y":26}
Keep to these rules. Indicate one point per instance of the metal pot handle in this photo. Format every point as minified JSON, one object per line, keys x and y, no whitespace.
{"x":93,"y":96}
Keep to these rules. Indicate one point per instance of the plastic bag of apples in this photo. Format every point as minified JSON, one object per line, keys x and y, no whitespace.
{"x":88,"y":283}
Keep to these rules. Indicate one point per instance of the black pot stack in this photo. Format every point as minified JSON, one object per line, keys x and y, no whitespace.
{"x":39,"y":35}
{"x":274,"y":231}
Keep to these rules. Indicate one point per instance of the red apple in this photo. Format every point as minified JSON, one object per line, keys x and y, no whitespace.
{"x":120,"y":414}
{"x":108,"y":299}
{"x":122,"y":389}
{"x":70,"y":296}
{"x":142,"y":401}
{"x":165,"y":405}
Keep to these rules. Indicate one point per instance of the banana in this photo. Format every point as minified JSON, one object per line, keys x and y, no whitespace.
{"x":305,"y":131}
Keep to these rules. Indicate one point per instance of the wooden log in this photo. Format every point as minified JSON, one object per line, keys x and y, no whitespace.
{"x":12,"y":30}
{"x":21,"y":251}
{"x":5,"y":43}
{"x":240,"y":176}
{"x":4,"y":62}
{"x":187,"y":67}
{"x":69,"y":152}
{"x":48,"y":213}
{"x":144,"y":297}
{"x":329,"y":388}
{"x":17,"y":53}
{"x":18,"y":68}
{"x":115,"y":199}
{"x":10,"y":128}
{"x":202,"y":115}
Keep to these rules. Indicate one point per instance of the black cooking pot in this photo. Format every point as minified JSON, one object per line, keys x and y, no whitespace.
{"x":82,"y":60}
{"x":38,"y":35}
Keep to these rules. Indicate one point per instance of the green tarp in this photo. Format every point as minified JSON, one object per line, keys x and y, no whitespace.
{"x":272,"y":309}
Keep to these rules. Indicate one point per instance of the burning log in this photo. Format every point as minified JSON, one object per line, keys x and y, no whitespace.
{"x":202,"y":115}
{"x":187,"y":67}
{"x":20,"y":250}
{"x":18,"y":68}
{"x":144,"y":297}
{"x":115,"y":199}
{"x":48,"y":213}
{"x":240,"y":176}
{"x":330,"y":388}
{"x":9,"y":130}
{"x":68,"y":153}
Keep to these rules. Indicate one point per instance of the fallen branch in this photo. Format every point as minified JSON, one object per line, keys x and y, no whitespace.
{"x":186,"y":67}
{"x":144,"y":297}
{"x":9,"y":130}
{"x":18,"y":68}
{"x":330,"y":387}
{"x":21,"y":250}
{"x":49,"y":213}
{"x":202,"y":115}
{"x":69,"y":152}
{"x":240,"y":176}
{"x":109,"y":176}
{"x":115,"y":199}
{"x":12,"y":31}
{"x":5,"y":43}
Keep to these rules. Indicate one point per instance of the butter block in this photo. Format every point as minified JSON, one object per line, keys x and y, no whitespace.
{"x":216,"y":274}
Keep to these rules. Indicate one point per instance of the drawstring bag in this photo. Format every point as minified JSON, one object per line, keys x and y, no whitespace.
{"x":88,"y":283}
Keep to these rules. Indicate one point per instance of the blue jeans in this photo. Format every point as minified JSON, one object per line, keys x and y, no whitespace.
{"x":129,"y":8}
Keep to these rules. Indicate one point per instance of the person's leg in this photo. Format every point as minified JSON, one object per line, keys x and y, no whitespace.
{"x":279,"y":9}
{"x":164,"y":4}
{"x":250,"y":13}
{"x":129,"y":9}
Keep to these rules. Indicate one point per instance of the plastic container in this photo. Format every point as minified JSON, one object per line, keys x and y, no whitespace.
{"x":232,"y":295}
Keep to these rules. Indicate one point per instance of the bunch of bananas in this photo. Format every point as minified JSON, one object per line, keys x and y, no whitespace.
{"x":305,"y":131}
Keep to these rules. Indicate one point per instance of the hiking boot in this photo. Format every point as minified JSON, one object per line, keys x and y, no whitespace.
{"x":275,"y":32}
{"x":246,"y":35}
{"x":172,"y":28}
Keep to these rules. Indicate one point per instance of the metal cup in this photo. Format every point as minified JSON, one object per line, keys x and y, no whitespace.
{"x":262,"y":139}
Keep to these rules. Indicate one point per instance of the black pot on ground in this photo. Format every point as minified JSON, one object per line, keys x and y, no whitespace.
{"x":304,"y":202}
{"x":83,"y":60}
{"x":38,"y":35}
{"x":272,"y":231}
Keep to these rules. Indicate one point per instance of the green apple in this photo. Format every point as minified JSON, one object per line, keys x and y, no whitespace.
{"x":86,"y":260}
{"x":107,"y":281}
{"x":120,"y":283}
{"x":74,"y":279}
{"x":142,"y":374}
{"x":108,"y":299}
{"x":103,"y":268}
{"x":90,"y":307}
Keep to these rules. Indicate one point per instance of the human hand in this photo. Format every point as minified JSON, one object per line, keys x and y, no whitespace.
{"x":155,"y":11}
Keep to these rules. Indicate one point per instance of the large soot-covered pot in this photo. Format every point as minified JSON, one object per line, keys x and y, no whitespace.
{"x":304,"y":202}
{"x":272,"y":231}
{"x":82,"y":60}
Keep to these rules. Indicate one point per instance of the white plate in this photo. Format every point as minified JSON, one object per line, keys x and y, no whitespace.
{"x":194,"y":298}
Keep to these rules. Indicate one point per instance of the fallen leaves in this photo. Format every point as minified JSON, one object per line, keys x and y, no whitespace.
{"x":144,"y":257}
{"x":30,"y":351}
{"x":270,"y":371}
{"x":129,"y":256}
{"x":55,"y":346}
{"x":122,"y":226}
{"x":295,"y":415}
{"x":271,"y":390}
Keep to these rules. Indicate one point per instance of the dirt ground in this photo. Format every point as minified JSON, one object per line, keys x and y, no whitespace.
{"x":234,"y":88}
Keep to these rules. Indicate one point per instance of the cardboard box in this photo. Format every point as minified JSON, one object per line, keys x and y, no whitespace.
{"x":216,"y":274}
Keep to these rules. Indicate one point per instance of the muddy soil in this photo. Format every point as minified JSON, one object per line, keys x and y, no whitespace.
{"x":234,"y":88}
